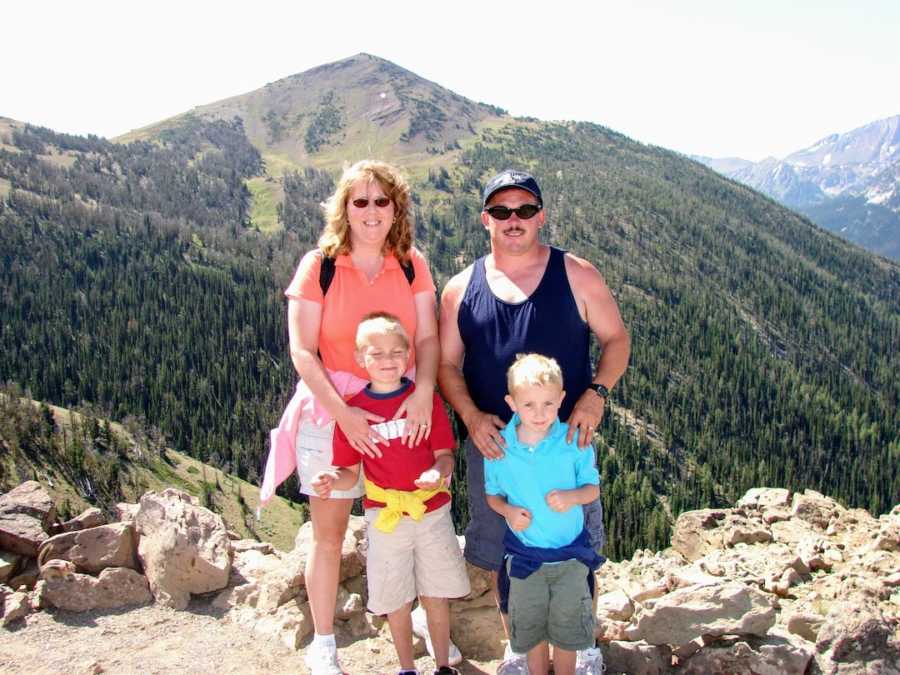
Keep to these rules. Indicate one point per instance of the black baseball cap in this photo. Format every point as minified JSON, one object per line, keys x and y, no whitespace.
{"x":510,"y":178}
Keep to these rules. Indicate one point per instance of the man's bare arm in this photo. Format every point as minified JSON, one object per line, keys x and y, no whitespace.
{"x":600,"y":311}
{"x":483,"y":428}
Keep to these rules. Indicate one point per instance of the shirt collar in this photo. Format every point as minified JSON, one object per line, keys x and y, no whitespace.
{"x":556,"y":430}
{"x":405,"y":383}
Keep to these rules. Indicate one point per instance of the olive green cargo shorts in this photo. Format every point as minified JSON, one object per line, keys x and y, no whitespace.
{"x":552,"y":604}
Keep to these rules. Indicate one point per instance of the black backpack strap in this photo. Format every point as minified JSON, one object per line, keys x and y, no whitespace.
{"x":409,"y":271}
{"x":326,"y":273}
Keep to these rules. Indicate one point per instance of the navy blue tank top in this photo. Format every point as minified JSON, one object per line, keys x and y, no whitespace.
{"x":547,"y":322}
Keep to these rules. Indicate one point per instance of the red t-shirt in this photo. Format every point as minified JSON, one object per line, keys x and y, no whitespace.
{"x":398,"y":465}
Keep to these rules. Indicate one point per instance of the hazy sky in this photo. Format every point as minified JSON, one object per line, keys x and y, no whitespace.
{"x":718,"y":77}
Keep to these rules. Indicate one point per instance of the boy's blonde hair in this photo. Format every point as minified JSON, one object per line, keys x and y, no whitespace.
{"x":533,"y":369}
{"x":380,"y":323}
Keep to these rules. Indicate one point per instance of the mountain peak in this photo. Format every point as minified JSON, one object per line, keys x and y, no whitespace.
{"x":360,"y":106}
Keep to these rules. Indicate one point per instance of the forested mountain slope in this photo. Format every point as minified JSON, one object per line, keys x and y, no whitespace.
{"x":765,"y":350}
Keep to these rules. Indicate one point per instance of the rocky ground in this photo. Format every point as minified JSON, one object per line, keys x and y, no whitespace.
{"x":155,"y":639}
{"x":782,"y":584}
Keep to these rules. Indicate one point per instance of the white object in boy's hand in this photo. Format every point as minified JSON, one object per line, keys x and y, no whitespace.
{"x":429,"y":480}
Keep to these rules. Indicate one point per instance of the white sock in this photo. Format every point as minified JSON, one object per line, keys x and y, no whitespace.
{"x":324,"y":640}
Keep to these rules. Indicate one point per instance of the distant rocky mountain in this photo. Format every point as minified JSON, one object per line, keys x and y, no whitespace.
{"x":379,"y":109}
{"x":848,"y":183}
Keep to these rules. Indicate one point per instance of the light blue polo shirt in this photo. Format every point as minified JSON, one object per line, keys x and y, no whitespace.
{"x":526,"y":474}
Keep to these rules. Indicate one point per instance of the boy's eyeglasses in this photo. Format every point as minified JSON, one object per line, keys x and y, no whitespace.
{"x":380,"y":202}
{"x":524,"y":212}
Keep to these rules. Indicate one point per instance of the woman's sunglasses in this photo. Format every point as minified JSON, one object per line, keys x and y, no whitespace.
{"x":524,"y":212}
{"x":380,"y":202}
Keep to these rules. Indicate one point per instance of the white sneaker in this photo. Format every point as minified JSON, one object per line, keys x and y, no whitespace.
{"x":513,"y":664}
{"x":420,"y":628}
{"x":589,"y":662}
{"x":322,"y":660}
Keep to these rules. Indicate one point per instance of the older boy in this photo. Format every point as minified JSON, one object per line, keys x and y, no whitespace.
{"x":413,"y":549}
{"x":549,"y":559}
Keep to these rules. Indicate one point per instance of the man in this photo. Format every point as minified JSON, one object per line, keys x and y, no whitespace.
{"x":524,"y":297}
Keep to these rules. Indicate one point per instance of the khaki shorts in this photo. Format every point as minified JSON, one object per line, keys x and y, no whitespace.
{"x":417,"y":558}
{"x":314,"y":454}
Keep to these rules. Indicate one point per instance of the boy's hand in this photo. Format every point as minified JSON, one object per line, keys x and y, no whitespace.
{"x":429,"y":480}
{"x":559,"y":500}
{"x":518,"y":518}
{"x":323,"y":483}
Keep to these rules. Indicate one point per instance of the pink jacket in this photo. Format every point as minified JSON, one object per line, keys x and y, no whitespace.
{"x":303,"y":406}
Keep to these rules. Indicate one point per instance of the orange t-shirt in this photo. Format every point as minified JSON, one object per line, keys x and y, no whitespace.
{"x":351,"y":296}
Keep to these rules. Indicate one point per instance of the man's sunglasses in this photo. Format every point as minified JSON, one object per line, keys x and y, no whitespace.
{"x":380,"y":202}
{"x":524,"y":212}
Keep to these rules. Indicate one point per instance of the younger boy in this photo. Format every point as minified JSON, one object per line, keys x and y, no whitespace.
{"x":413,"y":549}
{"x":549,"y":560}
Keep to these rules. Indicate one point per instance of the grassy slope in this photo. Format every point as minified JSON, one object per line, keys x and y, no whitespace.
{"x":234,"y":499}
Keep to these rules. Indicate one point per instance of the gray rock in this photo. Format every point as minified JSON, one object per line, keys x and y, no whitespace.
{"x":15,"y":606}
{"x":616,"y":605}
{"x":115,"y":587}
{"x":765,"y":498}
{"x":857,"y":639}
{"x":8,"y":563}
{"x":31,"y":499}
{"x":21,"y":533}
{"x":94,"y":549}
{"x":696,"y":533}
{"x":92,"y":517}
{"x":240,"y":545}
{"x":126,"y":512}
{"x":722,"y":609}
{"x":637,"y":658}
{"x":183,"y":547}
{"x":805,"y":624}
{"x":26,"y":576}
{"x":26,"y":514}
{"x":814,"y":508}
{"x":772,"y":656}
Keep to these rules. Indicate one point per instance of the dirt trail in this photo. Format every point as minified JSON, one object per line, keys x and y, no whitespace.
{"x":151,"y":640}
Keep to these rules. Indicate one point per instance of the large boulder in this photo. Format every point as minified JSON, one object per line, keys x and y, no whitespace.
{"x":115,"y":587}
{"x":183,"y":547}
{"x":688,"y":613}
{"x":94,"y":549}
{"x":26,"y":514}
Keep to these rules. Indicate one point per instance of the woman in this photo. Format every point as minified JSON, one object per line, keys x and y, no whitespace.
{"x":368,"y":234}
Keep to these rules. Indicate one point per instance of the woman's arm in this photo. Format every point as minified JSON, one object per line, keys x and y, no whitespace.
{"x":418,"y":406}
{"x":304,"y":323}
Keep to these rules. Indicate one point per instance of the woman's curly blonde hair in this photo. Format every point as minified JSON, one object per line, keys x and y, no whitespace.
{"x":335,"y":238}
